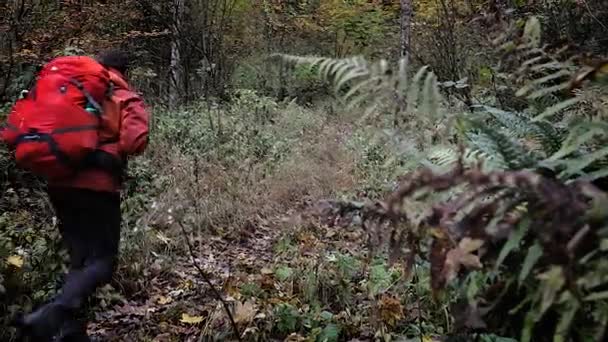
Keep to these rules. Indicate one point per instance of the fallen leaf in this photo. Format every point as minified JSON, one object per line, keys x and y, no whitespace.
{"x":191,"y":319}
{"x":162,"y":300}
{"x":15,"y":260}
{"x":244,"y":312}
{"x":391,"y":310}
{"x":462,"y":256}
{"x":267,"y":282}
{"x":187,"y":284}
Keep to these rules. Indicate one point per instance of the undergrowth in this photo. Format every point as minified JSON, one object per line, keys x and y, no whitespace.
{"x":522,"y":201}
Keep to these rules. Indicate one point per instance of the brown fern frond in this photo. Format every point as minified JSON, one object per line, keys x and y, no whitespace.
{"x":485,"y":213}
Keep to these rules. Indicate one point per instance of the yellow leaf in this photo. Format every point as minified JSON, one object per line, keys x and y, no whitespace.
{"x":162,"y":300}
{"x":191,"y":319}
{"x":187,"y":284}
{"x":15,"y":260}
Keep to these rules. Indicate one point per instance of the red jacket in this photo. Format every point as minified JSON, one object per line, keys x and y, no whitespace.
{"x":130,"y":138}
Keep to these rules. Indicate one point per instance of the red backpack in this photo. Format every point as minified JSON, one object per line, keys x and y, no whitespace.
{"x":56,"y":126}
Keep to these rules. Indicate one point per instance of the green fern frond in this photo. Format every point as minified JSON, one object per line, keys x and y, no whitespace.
{"x":581,"y":153}
{"x":580,"y":135}
{"x":506,"y":152}
{"x":430,"y":105}
{"x":538,"y":82}
{"x":544,"y":72}
{"x":575,"y":167}
{"x":548,"y":135}
{"x":489,"y":148}
{"x":447,"y":156}
{"x":378,"y":85}
{"x":522,"y":127}
{"x":558,"y":107}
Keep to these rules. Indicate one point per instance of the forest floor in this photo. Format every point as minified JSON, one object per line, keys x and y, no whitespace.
{"x":182,"y":288}
{"x":232,"y":204}
{"x":254,"y":274}
{"x":285,"y":277}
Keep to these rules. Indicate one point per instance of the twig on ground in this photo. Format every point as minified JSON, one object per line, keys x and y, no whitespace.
{"x":206,"y":277}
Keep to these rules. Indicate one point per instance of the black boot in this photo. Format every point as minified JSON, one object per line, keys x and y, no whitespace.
{"x":44,"y":323}
{"x":73,"y":331}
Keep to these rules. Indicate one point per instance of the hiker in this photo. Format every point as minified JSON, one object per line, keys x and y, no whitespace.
{"x":87,"y":203}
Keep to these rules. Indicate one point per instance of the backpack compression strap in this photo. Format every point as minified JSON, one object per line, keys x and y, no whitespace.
{"x":53,"y":147}
{"x":90,"y":98}
{"x":99,"y":158}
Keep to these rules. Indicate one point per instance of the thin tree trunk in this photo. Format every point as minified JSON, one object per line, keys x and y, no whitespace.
{"x":404,"y":51}
{"x":405,"y":27}
{"x":175,"y":68}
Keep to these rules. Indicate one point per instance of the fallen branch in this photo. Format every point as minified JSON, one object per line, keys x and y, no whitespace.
{"x":206,"y":277}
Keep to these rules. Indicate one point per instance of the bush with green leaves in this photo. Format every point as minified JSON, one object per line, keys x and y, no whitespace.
{"x":31,"y":255}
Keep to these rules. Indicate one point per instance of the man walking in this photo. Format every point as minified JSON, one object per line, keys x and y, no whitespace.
{"x":87,"y":206}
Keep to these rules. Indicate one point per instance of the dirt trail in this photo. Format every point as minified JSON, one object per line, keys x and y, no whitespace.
{"x":157,"y":314}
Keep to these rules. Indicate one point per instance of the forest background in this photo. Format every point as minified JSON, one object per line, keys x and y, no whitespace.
{"x":337,"y":169}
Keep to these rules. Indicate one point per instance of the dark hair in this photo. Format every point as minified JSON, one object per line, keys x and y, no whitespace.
{"x":115,"y":58}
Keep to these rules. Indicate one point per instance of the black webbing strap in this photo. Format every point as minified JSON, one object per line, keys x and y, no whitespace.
{"x":105,"y":161}
{"x":75,"y":129}
{"x":53,"y":147}
{"x":98,"y":159}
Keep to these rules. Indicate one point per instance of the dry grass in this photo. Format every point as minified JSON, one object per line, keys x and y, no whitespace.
{"x":216,"y":200}
{"x":319,"y":170}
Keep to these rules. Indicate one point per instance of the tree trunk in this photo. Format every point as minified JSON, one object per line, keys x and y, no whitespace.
{"x":405,"y":26}
{"x":175,"y":67}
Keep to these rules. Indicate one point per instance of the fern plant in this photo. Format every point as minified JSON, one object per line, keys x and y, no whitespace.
{"x":561,"y":137}
{"x":407,"y":103}
{"x":547,"y":236}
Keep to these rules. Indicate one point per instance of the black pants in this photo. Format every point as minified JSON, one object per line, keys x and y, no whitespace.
{"x":89,"y":222}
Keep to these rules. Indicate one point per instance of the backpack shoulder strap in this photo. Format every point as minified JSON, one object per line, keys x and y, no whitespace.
{"x":110,"y":91}
{"x":90,"y":98}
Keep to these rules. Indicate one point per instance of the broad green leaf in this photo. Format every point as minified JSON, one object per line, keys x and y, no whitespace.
{"x":552,"y":282}
{"x":330,"y":333}
{"x":283,"y":273}
{"x":604,"y":245}
{"x":326,"y":315}
{"x":529,"y":323}
{"x":567,"y":316}
{"x":513,"y":241}
{"x":473,"y":286}
{"x":596,"y":296}
{"x":534,"y":253}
